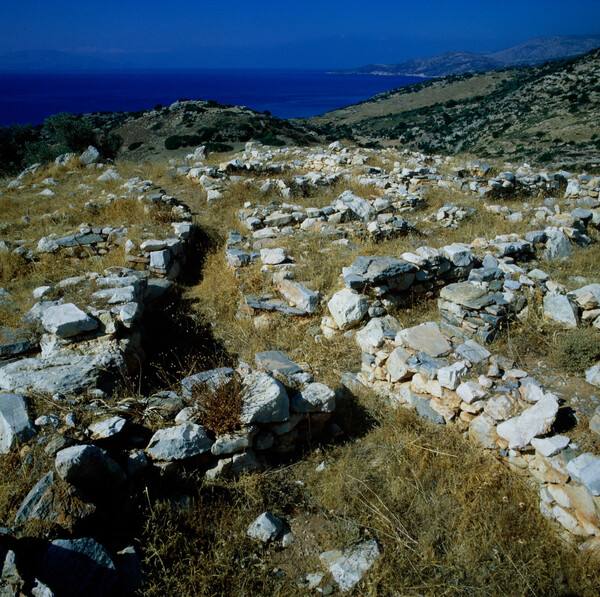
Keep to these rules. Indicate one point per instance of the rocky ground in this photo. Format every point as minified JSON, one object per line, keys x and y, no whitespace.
{"x":321,"y":369}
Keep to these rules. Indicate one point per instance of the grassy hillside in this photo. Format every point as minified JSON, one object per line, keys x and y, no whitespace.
{"x":547,"y":115}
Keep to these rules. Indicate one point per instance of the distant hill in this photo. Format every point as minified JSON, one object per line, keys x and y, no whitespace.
{"x":531,"y":52}
{"x":548,"y":114}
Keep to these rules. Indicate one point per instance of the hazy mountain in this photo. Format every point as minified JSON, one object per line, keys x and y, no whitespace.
{"x":533,"y":51}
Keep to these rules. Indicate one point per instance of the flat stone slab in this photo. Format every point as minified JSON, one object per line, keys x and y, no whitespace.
{"x":347,"y":567}
{"x":473,"y":352}
{"x":213,"y":378}
{"x":426,"y":338}
{"x":466,"y":294}
{"x":107,"y":428}
{"x":68,"y":320}
{"x":67,"y":375}
{"x":276,"y":360}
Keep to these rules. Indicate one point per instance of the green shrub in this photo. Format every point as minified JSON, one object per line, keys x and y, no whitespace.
{"x":176,"y":141}
{"x":109,"y":144}
{"x":133,"y":146}
{"x":69,"y":132}
{"x":576,"y":350}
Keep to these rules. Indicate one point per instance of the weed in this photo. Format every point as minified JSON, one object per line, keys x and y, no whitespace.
{"x":219,"y":405}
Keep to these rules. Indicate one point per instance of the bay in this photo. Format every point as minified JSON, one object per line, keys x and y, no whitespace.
{"x":31,"y":97}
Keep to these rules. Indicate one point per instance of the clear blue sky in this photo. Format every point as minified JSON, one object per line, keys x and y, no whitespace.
{"x":282,"y":33}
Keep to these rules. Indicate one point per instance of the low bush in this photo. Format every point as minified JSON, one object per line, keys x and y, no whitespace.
{"x":576,"y":350}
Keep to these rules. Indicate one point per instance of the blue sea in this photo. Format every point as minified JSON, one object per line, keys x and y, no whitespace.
{"x":32,"y":97}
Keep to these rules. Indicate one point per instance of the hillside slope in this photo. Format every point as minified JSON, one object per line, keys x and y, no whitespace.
{"x":531,"y":52}
{"x":545,"y":114}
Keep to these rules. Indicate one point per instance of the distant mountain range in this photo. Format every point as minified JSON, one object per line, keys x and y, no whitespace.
{"x":532,"y":52}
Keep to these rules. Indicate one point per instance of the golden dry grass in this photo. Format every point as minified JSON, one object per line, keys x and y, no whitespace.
{"x":449,"y":520}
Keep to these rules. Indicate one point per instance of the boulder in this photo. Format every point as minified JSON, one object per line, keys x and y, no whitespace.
{"x":537,"y":420}
{"x":557,"y":245}
{"x":88,"y":467}
{"x":592,"y":375}
{"x":179,"y":442}
{"x":316,"y":397}
{"x":264,"y":400}
{"x":53,"y":500}
{"x":559,"y":308}
{"x":361,"y":209}
{"x":15,"y":425}
{"x":79,"y":568}
{"x":347,"y":308}
{"x":90,"y":156}
{"x":397,"y":364}
{"x":273,"y":256}
{"x":482,"y":431}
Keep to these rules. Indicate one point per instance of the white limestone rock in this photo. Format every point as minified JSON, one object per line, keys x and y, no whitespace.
{"x":265,"y":528}
{"x":179,"y":442}
{"x":15,"y":425}
{"x":68,"y":320}
{"x":264,"y":400}
{"x":347,"y":308}
{"x":537,"y":420}
{"x":347,"y":567}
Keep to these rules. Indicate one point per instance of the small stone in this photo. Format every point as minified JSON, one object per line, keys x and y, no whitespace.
{"x":265,"y":528}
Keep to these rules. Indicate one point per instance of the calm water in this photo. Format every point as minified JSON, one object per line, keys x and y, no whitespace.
{"x":32,"y":97}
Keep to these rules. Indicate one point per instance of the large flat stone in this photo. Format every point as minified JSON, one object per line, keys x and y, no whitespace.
{"x":67,"y":375}
{"x":466,"y":294}
{"x":426,"y":338}
{"x":67,"y":320}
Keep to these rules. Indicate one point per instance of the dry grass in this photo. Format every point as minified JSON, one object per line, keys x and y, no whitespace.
{"x":449,"y":520}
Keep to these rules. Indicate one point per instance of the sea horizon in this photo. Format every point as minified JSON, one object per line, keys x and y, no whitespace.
{"x":30,"y":97}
